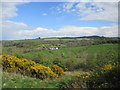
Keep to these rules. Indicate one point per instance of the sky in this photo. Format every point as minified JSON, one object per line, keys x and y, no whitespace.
{"x":30,"y":20}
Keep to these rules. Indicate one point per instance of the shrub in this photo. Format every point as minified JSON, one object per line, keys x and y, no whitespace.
{"x":108,"y":77}
{"x":26,"y":67}
{"x":105,"y":77}
{"x":58,"y":70}
{"x":107,"y":67}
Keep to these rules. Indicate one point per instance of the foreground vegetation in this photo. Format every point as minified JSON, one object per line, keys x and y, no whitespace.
{"x":96,"y":61}
{"x":106,"y":77}
{"x":11,"y":80}
{"x":30,"y":68}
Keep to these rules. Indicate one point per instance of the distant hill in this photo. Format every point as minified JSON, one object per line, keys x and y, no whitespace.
{"x":95,"y":36}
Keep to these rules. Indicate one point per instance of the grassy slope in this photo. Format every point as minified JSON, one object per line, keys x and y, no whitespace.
{"x":77,"y":54}
{"x":81,"y":50}
{"x":18,"y":81}
{"x":65,"y":57}
{"x":23,"y":46}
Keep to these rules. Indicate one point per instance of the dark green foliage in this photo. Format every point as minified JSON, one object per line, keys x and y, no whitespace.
{"x":109,"y":79}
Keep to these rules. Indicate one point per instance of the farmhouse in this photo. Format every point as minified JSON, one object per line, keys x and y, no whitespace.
{"x":53,"y":48}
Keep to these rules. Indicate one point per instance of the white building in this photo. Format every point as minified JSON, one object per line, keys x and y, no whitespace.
{"x":53,"y":48}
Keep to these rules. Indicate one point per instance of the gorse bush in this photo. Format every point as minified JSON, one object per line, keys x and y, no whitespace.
{"x":107,"y":67}
{"x":43,"y":72}
{"x":58,"y":70}
{"x":105,"y":77}
{"x":28,"y":67}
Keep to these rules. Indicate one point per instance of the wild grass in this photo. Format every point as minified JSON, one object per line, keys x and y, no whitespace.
{"x":11,"y":80}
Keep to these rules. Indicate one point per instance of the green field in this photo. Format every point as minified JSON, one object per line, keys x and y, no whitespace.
{"x":74,"y":55}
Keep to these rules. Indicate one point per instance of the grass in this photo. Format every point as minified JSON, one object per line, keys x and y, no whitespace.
{"x":83,"y":39}
{"x":69,"y":57}
{"x":77,"y":54}
{"x":11,"y":80}
{"x":51,"y":39}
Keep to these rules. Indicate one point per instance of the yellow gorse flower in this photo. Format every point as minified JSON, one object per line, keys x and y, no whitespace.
{"x":29,"y":68}
{"x":58,"y":70}
{"x":107,"y":67}
{"x":83,"y":75}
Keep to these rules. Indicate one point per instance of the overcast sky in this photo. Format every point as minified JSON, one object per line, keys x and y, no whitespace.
{"x":29,"y":20}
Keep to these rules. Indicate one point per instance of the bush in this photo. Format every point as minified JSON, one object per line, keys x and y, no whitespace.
{"x":108,"y":77}
{"x":105,"y":77}
{"x":26,"y":67}
{"x":58,"y":70}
